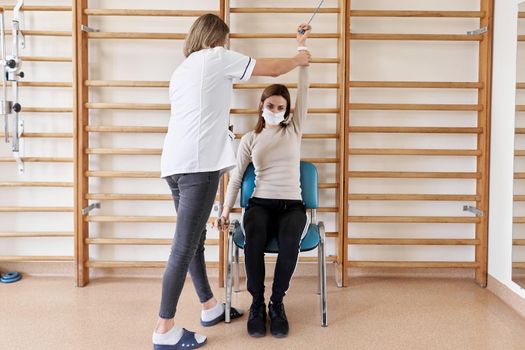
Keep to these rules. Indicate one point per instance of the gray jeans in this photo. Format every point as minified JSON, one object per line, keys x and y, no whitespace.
{"x":194,"y":195}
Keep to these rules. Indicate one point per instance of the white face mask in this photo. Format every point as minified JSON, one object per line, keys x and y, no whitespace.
{"x":273,"y":118}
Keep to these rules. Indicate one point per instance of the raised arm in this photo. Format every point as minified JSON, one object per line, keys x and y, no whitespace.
{"x":301,"y":102}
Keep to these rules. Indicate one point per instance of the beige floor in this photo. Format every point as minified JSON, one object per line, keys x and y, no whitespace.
{"x":374,"y":313}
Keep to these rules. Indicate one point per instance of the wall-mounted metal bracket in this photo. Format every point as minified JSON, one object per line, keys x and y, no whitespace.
{"x":18,"y":152}
{"x":87,"y":29}
{"x":473,"y":210}
{"x":18,"y":16}
{"x":5,"y":109}
{"x":479,"y":31}
{"x":91,"y":207}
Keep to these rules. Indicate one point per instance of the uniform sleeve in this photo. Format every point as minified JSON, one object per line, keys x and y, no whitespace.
{"x":237,"y":66}
{"x":301,"y":102}
{"x":244,"y":158}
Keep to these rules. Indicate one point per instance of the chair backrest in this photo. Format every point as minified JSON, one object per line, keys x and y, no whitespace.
{"x":309,"y":190}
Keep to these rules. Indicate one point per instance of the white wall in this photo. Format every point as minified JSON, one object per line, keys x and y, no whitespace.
{"x":518,"y":252}
{"x":155,"y":60}
{"x":502,"y":144}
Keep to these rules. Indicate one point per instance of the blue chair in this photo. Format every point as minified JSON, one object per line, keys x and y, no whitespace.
{"x":314,"y":237}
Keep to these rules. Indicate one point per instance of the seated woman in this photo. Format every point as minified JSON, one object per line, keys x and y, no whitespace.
{"x":276,"y":207}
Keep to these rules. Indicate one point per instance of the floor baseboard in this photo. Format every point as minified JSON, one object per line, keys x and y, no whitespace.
{"x":507,"y":295}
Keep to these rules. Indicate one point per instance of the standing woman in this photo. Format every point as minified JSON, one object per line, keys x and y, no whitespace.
{"x":197,"y":150}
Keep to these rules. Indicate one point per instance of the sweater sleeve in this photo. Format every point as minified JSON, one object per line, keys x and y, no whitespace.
{"x":301,"y":102}
{"x":244,"y":158}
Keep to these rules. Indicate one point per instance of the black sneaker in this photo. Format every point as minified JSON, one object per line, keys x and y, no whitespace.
{"x":278,"y":320}
{"x":257,"y":320}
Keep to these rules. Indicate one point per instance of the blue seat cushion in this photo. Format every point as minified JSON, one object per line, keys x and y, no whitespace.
{"x":309,"y":242}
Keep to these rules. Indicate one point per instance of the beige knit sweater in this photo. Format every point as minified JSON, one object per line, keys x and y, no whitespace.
{"x":275,"y":153}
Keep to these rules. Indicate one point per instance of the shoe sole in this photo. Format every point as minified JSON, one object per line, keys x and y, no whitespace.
{"x":279,"y":335}
{"x":213,"y":322}
{"x":257,"y":335}
{"x":220,"y":319}
{"x":173,"y":347}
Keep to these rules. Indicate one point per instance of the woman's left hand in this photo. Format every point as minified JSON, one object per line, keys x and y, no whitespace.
{"x":221,"y":223}
{"x":301,"y":38}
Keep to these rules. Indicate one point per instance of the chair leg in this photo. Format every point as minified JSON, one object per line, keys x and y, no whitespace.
{"x":319,"y":268}
{"x":237,"y":288}
{"x":229,"y":276}
{"x":324,"y":318}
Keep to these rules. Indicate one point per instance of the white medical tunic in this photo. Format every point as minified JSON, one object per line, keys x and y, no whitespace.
{"x":200,"y":93}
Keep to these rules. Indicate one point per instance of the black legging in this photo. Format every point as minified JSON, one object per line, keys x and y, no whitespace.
{"x":265,"y":218}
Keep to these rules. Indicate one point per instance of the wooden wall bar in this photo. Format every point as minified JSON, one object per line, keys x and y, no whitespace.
{"x":478,"y":199}
{"x":46,"y":215}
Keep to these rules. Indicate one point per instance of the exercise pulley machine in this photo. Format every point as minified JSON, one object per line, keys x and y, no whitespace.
{"x":11,"y":65}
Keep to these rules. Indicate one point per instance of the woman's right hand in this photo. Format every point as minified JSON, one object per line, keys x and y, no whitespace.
{"x":303,"y":58}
